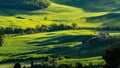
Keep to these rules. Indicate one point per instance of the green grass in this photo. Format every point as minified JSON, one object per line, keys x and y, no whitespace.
{"x":59,"y":42}
{"x":107,"y":19}
{"x":55,"y":13}
{"x":84,"y":61}
{"x":42,"y":44}
{"x":55,"y":43}
{"x":93,"y":5}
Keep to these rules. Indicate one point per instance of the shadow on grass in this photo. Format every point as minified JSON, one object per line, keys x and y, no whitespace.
{"x":59,"y":40}
{"x":56,"y":51}
{"x":89,"y":50}
{"x":13,"y":12}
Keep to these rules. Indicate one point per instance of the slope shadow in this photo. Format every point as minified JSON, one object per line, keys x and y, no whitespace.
{"x":60,"y":40}
{"x":64,"y":50}
{"x":91,"y":6}
{"x":56,"y":51}
{"x":13,"y":12}
{"x":36,"y":51}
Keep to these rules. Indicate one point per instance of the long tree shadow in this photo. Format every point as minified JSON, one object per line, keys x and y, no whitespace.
{"x":56,"y":51}
{"x":65,"y":50}
{"x":60,"y":40}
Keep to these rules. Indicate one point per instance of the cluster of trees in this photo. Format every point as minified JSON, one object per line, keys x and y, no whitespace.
{"x":50,"y":28}
{"x":108,"y":28}
{"x":112,"y":56}
{"x":52,"y":62}
{"x":1,"y":37}
{"x":42,"y":28}
{"x":102,"y":28}
{"x":24,"y":4}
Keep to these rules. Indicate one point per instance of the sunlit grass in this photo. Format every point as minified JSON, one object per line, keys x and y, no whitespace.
{"x":55,"y":13}
{"x":84,"y":61}
{"x":38,"y":44}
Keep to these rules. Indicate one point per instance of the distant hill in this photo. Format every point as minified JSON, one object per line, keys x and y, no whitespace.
{"x":92,"y":5}
{"x":24,"y":4}
{"x":111,"y":19}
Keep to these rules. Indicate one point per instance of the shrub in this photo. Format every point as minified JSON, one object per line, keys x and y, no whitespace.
{"x":17,"y":65}
{"x":112,"y":56}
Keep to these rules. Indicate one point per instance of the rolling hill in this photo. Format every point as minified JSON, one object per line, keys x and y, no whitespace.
{"x":111,"y":19}
{"x":24,"y":4}
{"x":92,"y":5}
{"x":55,"y":13}
{"x":31,"y":13}
{"x":53,"y":43}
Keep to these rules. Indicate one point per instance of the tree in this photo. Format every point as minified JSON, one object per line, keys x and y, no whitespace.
{"x":29,"y":31}
{"x":17,"y":65}
{"x":74,"y":25}
{"x":18,"y":30}
{"x":45,"y":18}
{"x":1,"y":37}
{"x":112,"y":55}
{"x":64,"y":66}
{"x":79,"y":65}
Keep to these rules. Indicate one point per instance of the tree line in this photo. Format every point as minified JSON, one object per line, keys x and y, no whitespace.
{"x":24,"y":4}
{"x":102,"y":28}
{"x":50,"y":28}
{"x":38,"y":29}
{"x":2,"y":35}
{"x":52,"y":62}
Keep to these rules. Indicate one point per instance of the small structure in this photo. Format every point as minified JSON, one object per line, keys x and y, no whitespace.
{"x":103,"y":35}
{"x":100,"y":36}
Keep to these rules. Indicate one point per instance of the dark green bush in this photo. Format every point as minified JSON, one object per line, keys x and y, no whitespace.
{"x":112,"y":56}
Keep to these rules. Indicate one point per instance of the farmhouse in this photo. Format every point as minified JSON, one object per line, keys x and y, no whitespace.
{"x":98,"y":37}
{"x":103,"y":35}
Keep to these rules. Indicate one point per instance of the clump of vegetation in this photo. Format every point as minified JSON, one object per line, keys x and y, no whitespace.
{"x":17,"y":65}
{"x":112,"y":56}
{"x":1,"y":37}
{"x":42,"y":28}
{"x":52,"y":62}
{"x":24,"y":4}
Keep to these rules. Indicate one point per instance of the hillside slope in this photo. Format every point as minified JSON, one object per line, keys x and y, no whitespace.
{"x":92,"y":5}
{"x":111,"y":19}
{"x":55,"y":13}
{"x":24,"y":4}
{"x":53,"y":43}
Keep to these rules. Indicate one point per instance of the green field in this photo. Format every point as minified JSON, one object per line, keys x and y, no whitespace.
{"x":43,"y":44}
{"x":92,"y":5}
{"x":55,"y":13}
{"x":59,"y":42}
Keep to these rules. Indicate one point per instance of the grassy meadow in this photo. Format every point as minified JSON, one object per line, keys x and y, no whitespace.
{"x":55,"y":43}
{"x":55,"y":13}
{"x":64,"y":42}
